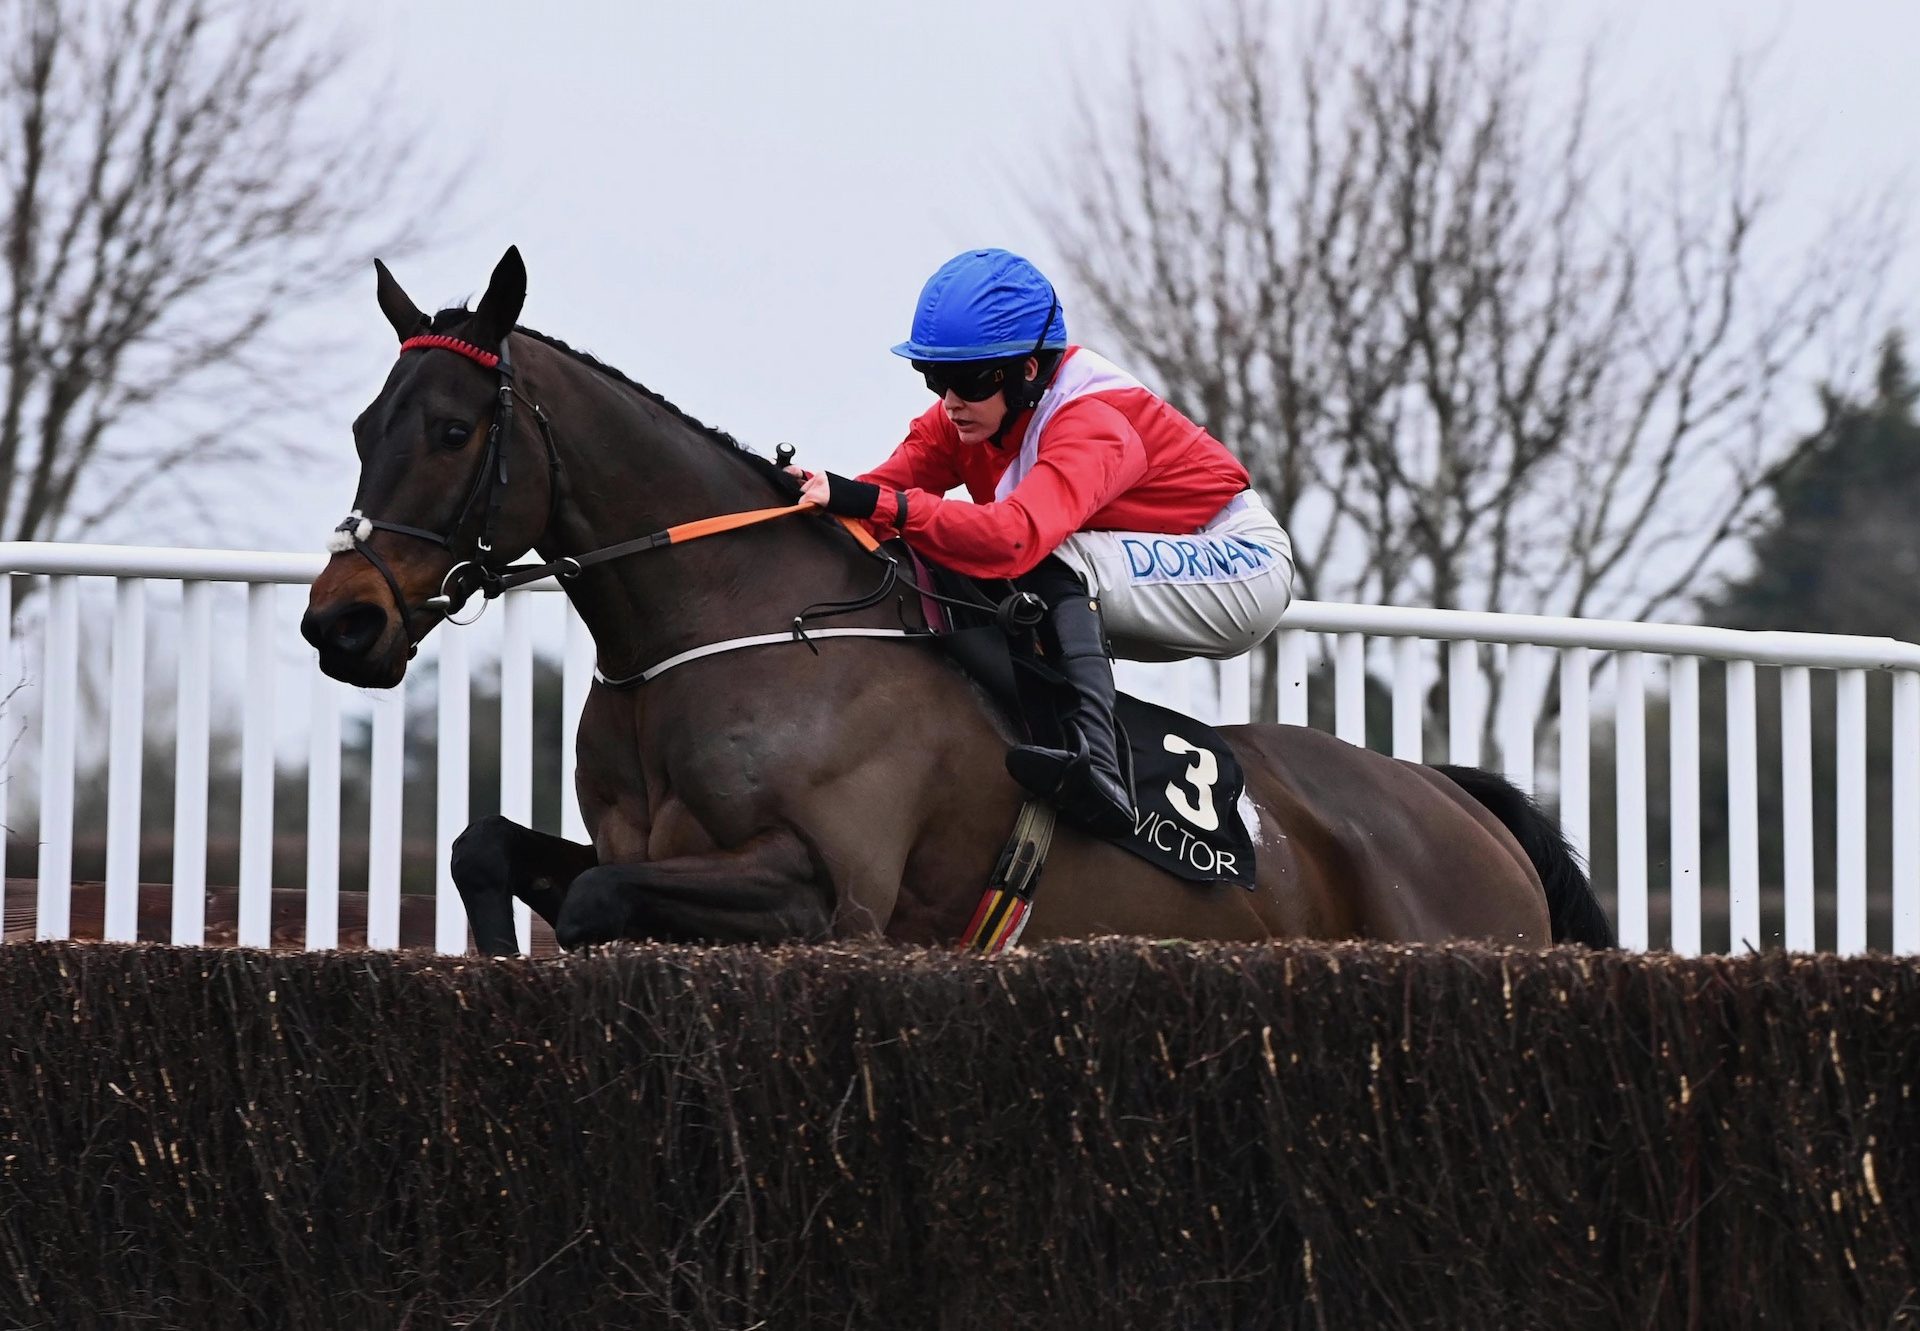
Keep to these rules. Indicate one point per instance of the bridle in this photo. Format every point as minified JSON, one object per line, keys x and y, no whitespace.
{"x":474,"y":572}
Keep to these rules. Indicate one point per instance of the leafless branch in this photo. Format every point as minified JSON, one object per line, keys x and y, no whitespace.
{"x":174,"y":178}
{"x":1470,"y":350}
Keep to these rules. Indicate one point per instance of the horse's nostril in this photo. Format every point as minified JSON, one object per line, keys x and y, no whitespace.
{"x":356,"y":630}
{"x":349,"y":632}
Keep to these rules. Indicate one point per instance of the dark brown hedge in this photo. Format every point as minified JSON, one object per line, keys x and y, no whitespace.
{"x":1110,"y":1135}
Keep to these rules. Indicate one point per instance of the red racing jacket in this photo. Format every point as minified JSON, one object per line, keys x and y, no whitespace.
{"x":1100,"y":452}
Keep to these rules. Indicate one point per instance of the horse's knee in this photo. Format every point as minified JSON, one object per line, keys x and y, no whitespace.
{"x":480,"y":853}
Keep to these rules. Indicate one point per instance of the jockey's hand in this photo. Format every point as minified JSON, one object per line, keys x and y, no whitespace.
{"x":837,"y":494}
{"x":813,"y":487}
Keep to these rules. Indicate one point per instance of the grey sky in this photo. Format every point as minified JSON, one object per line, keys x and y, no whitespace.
{"x":737,"y":203}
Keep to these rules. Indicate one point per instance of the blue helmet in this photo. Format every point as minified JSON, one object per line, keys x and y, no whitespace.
{"x":984,"y":305}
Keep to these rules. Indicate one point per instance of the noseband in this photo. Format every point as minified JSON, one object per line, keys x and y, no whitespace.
{"x":474,"y":572}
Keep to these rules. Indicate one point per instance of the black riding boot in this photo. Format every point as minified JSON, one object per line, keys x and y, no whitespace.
{"x":1084,"y":781}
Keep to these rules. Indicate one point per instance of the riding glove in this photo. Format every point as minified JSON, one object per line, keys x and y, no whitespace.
{"x":851,"y":499}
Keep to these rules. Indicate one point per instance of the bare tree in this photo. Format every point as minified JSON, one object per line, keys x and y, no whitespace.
{"x":174,"y":175}
{"x":1479,"y":344}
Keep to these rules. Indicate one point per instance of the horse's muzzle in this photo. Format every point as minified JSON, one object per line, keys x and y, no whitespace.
{"x":356,"y":643}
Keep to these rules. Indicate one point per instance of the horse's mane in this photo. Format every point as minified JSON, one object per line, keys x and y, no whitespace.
{"x":455,"y":315}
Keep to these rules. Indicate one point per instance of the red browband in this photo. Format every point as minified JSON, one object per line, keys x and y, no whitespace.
{"x":436,"y":341}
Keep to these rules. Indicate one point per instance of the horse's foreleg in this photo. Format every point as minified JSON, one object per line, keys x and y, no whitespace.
{"x":766,"y":891}
{"x":496,"y":860}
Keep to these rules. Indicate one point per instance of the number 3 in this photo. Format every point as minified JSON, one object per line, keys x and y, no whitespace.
{"x":1201,"y":776}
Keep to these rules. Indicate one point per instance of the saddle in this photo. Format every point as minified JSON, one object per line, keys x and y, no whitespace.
{"x":1186,"y":782}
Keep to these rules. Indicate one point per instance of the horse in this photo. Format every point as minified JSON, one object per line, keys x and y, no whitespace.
{"x":769,"y":787}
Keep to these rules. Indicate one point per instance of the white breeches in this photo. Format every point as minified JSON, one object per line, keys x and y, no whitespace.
{"x":1215,"y":593}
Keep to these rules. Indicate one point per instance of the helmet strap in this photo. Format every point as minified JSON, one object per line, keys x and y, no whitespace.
{"x":1016,"y":390}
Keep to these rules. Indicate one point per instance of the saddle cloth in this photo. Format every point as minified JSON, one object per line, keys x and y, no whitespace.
{"x":1188,"y":815}
{"x":1187,"y":810}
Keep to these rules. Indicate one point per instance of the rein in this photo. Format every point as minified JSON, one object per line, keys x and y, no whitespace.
{"x":567,"y":566}
{"x":354,"y":531}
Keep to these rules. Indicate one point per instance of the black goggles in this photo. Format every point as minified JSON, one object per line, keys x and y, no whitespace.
{"x":968,"y":380}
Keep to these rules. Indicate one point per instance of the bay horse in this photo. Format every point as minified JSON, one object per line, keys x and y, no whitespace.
{"x":849,"y":786}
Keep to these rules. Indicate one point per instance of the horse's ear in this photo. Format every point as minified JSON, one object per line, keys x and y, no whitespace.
{"x":400,"y":311}
{"x":499,"y":309}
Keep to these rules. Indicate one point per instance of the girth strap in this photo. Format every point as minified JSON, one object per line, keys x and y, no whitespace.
{"x":1002,"y":914}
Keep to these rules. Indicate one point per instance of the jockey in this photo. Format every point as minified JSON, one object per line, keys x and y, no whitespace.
{"x":1088,"y":490}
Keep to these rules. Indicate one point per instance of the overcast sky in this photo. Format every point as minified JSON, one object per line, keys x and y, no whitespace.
{"x":737,"y":203}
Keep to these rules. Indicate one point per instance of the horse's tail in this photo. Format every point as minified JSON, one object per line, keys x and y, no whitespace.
{"x":1575,"y":912}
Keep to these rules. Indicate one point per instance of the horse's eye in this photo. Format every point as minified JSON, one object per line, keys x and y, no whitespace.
{"x":456,"y":434}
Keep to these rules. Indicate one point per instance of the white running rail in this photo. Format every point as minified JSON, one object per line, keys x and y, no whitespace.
{"x":1522,"y":680}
